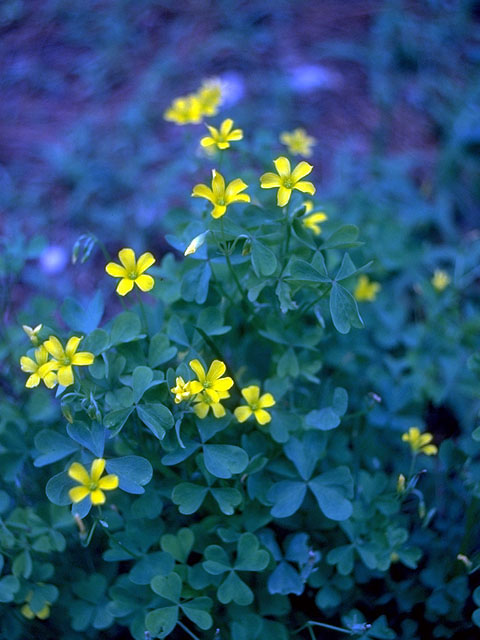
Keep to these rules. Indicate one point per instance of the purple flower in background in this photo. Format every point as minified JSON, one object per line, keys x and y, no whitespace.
{"x":53,"y":259}
{"x":306,"y":78}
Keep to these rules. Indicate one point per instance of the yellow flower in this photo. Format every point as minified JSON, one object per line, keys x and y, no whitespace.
{"x":256,"y":405}
{"x":298,"y":142}
{"x":219,"y":195}
{"x":28,"y":612}
{"x":313,"y":220}
{"x":440,"y":280}
{"x":212,"y":382}
{"x":40,"y":369}
{"x":32,"y":333}
{"x":287,"y":180}
{"x":203,"y":402}
{"x":91,"y":484}
{"x":181,"y":390}
{"x":209,"y":97}
{"x":223,"y":136}
{"x":366,"y":290}
{"x":63,"y":359}
{"x":184,"y":110}
{"x":131,"y":271}
{"x":420,"y":442}
{"x":196,"y":243}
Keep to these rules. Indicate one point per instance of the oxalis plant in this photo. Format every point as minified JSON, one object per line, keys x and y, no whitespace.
{"x":206,"y":473}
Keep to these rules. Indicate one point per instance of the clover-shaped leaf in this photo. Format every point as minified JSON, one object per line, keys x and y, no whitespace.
{"x":179,"y":545}
{"x":161,"y":622}
{"x":331,"y":490}
{"x":169,"y":587}
{"x":189,"y":497}
{"x":217,"y":561}
{"x":227,"y":498}
{"x":234,"y":589}
{"x":249,"y":555}
{"x":196,"y":611}
{"x":224,"y":460}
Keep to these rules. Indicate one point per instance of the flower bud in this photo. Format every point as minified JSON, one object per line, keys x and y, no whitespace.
{"x":195,"y":244}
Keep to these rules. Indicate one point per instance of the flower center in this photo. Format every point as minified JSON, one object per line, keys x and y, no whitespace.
{"x":221,"y":202}
{"x":133,"y":275}
{"x":92,"y":486}
{"x":66,"y":361}
{"x":288,"y":183}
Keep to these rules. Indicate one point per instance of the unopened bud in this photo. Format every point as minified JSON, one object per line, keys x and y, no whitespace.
{"x":466,"y":561}
{"x":196,"y":243}
{"x":247,"y":247}
{"x":401,"y":483}
{"x":67,"y":414}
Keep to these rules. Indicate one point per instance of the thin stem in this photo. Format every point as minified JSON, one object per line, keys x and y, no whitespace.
{"x":121,"y":545}
{"x":229,"y":263}
{"x":142,"y":312}
{"x":329,"y":626}
{"x":412,"y":466}
{"x":190,"y":633}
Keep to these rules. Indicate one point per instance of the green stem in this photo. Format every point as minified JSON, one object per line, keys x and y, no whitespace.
{"x":229,"y":263}
{"x":412,"y":466}
{"x":187,"y":630}
{"x":329,"y":626}
{"x":121,"y":545}
{"x":142,"y":312}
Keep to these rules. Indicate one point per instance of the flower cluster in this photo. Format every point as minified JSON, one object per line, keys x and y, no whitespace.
{"x":211,"y":387}
{"x":58,"y":368}
{"x":192,"y":108}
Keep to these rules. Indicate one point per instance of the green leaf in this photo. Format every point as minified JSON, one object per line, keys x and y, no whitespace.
{"x":195,"y":283}
{"x":161,"y":622}
{"x":340,"y":401}
{"x":179,"y":545}
{"x":156,"y":417}
{"x":476,"y":434}
{"x":126,"y":327}
{"x":323,"y":419}
{"x":288,"y":364}
{"x":217,"y":561}
{"x":342,"y":238}
{"x":176,"y":332}
{"x":331,"y":490}
{"x":224,"y":460}
{"x":160,"y":350}
{"x":96,"y":342}
{"x":169,"y":587}
{"x":210,"y":321}
{"x":342,"y":557}
{"x":249,"y":555}
{"x":58,"y":487}
{"x":476,"y":617}
{"x":22,"y":565}
{"x":115,"y":420}
{"x":347,"y":268}
{"x":285,"y":580}
{"x":344,"y":309}
{"x":287,"y":497}
{"x":227,"y":498}
{"x":234,"y":589}
{"x":151,"y":565}
{"x":303,"y":271}
{"x":141,"y":379}
{"x":263,"y":259}
{"x":188,"y":497}
{"x":52,"y":446}
{"x":133,"y":472}
{"x":195,"y":610}
{"x":83,"y":319}
{"x":91,"y":437}
{"x":305,"y":453}
{"x":9,"y":585}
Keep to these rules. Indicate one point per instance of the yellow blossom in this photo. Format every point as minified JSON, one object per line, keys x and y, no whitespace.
{"x":366,"y":291}
{"x":222,"y":137}
{"x":203,"y":402}
{"x":286,"y":180}
{"x":196,"y":243}
{"x":256,"y":405}
{"x":181,"y":390}
{"x":314,"y":218}
{"x":40,"y":369}
{"x":185,"y":110}
{"x":440,"y":280}
{"x":212,"y":382}
{"x":420,"y":442}
{"x":298,"y":142}
{"x":63,"y":359}
{"x":91,"y":484}
{"x":27,"y":611}
{"x":209,"y":97}
{"x":32,"y":333}
{"x":219,"y":195}
{"x":131,"y":271}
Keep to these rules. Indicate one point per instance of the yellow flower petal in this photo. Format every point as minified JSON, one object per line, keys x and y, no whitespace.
{"x":78,"y":472}
{"x":107,"y":483}
{"x":283,"y":196}
{"x":65,"y":376}
{"x":305,"y":187}
{"x":212,"y":394}
{"x":236,"y":134}
{"x":218,"y":410}
{"x":44,"y":613}
{"x":234,"y":188}
{"x":242,"y":413}
{"x":124,"y":286}
{"x":270,"y":180}
{"x":50,"y":379}
{"x":267,"y":400}
{"x":32,"y":381}
{"x":54,"y":348}
{"x":198,"y":369}
{"x":27,"y":612}
{"x":216,"y":370}
{"x":195,"y":387}
{"x":77,"y":494}
{"x":201,"y":409}
{"x":218,"y":185}
{"x":97,"y":468}
{"x":202,"y":191}
{"x":251,"y":393}
{"x":207,"y":141}
{"x":97,"y":497}
{"x":127,"y":258}
{"x":430,"y":450}
{"x":83,"y":358}
{"x":145,"y":282}
{"x":262,"y":416}
{"x":115,"y":270}
{"x":282,"y":165}
{"x":72,"y":346}
{"x":218,"y":211}
{"x":226,"y":126}
{"x":223,"y":384}
{"x":145,"y":261}
{"x":28,"y":365}
{"x":301,"y":170}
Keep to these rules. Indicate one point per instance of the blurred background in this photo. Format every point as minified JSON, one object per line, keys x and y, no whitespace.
{"x":388,"y":88}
